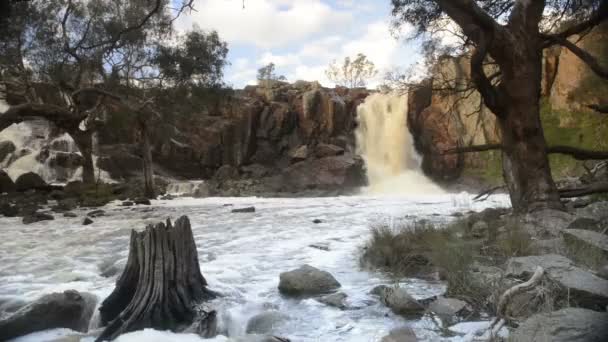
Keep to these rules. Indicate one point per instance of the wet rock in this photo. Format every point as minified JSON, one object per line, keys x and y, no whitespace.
{"x":37,"y":217}
{"x":448,"y":308}
{"x":547,"y":222}
{"x":87,"y":221}
{"x":398,"y":300}
{"x":142,"y":201}
{"x":6,"y":183}
{"x":337,"y":300}
{"x":30,"y":181}
{"x":69,"y":214}
{"x":96,"y":213}
{"x":405,"y":334}
{"x":6,"y":148}
{"x":317,"y":221}
{"x":329,"y":173}
{"x":9,"y":210}
{"x":328,"y":150}
{"x":225,"y":173}
{"x":70,"y":309}
{"x":566,"y":325}
{"x":603,"y":272}
{"x":258,"y":338}
{"x":66,"y":205}
{"x":307,"y":280}
{"x":581,"y":287}
{"x":321,"y":245}
{"x":127,"y":203}
{"x":591,"y":239}
{"x":244,"y":210}
{"x":265,"y":322}
{"x":299,"y":154}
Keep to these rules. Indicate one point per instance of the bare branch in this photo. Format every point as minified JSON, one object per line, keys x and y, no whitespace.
{"x":595,"y":188}
{"x":584,"y":56}
{"x":595,"y":19}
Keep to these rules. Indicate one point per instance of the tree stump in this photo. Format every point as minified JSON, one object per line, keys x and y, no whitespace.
{"x":161,"y":285}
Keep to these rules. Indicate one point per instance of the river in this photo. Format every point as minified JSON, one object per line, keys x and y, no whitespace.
{"x":241,"y":255}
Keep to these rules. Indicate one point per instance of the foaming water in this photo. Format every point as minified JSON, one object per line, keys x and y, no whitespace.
{"x":241,"y":256}
{"x":385,"y":143}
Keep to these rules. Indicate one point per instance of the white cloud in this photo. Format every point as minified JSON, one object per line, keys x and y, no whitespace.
{"x":267,"y":23}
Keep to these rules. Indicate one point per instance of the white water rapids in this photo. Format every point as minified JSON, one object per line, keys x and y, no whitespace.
{"x":241,"y":255}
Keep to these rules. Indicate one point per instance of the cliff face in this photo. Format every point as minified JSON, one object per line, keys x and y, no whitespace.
{"x":283,"y":137}
{"x":441,"y":119}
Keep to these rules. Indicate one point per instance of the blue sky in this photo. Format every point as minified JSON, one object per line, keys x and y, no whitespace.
{"x":301,"y":36}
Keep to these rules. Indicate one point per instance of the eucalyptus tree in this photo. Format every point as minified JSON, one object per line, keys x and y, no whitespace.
{"x":72,"y":62}
{"x":511,"y":35}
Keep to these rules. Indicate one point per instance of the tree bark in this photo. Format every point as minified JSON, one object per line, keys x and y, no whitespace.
{"x":84,"y":141}
{"x":147,"y":163}
{"x":161,"y":284}
{"x":526,"y":167}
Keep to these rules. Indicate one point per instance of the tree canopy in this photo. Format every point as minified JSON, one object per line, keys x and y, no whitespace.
{"x":267,"y":73}
{"x":352,"y":73}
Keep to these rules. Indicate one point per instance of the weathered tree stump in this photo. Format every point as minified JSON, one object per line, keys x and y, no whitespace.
{"x":161,"y":284}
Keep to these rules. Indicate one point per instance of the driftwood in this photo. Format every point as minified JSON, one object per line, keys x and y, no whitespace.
{"x":161,"y":286}
{"x":503,"y":301}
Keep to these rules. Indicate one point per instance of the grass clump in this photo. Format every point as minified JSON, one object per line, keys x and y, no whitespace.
{"x":467,"y":259}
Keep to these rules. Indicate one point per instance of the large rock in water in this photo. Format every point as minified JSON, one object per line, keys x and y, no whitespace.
{"x":398,"y":300}
{"x":307,"y":280}
{"x":6,"y":183}
{"x":70,"y":309}
{"x":30,"y":181}
{"x":405,"y":334}
{"x":337,"y":172}
{"x":6,"y":148}
{"x":582,"y":288}
{"x":566,"y":325}
{"x":265,"y":322}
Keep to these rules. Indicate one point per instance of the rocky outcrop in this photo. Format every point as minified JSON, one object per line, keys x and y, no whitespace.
{"x":398,"y":300}
{"x":307,"y":280}
{"x":70,"y":309}
{"x":569,"y":324}
{"x":30,"y":181}
{"x":582,"y":288}
{"x":6,"y":183}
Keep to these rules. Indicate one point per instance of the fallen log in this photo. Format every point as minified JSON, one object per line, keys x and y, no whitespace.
{"x":595,"y":188}
{"x":161,"y":286}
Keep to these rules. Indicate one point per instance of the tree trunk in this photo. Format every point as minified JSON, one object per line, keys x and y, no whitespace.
{"x":160,"y":286}
{"x":147,"y":163}
{"x":525,"y":162}
{"x":84,"y":141}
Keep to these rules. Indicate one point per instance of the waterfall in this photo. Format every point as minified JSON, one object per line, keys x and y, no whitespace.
{"x":385,"y":144}
{"x":37,"y":148}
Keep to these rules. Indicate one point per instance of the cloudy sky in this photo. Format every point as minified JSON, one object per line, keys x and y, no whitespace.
{"x":301,"y":36}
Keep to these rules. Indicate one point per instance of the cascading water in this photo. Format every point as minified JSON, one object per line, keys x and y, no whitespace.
{"x":385,"y":143}
{"x":36,"y":149}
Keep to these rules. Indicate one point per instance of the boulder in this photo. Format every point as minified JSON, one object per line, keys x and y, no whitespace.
{"x":299,"y":153}
{"x":307,"y":280}
{"x":87,"y":221}
{"x":405,"y":334}
{"x":596,"y":211}
{"x":6,"y":148}
{"x":69,"y":214}
{"x":9,"y":210}
{"x":70,"y":309}
{"x":565,"y":325}
{"x":586,"y":223}
{"x":96,"y":213}
{"x":226,"y":172}
{"x":244,"y":210}
{"x":66,"y":205}
{"x":142,"y":201}
{"x":398,"y":300}
{"x":339,"y":172}
{"x":6,"y":183}
{"x":547,"y":222}
{"x":337,"y":300}
{"x":264,"y":323}
{"x":30,"y":181}
{"x":581,"y":287}
{"x":591,"y":239}
{"x":448,"y":308}
{"x":328,"y":150}
{"x":37,"y":217}
{"x":480,"y":229}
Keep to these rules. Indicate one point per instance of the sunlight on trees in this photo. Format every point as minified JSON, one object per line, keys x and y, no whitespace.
{"x":267,"y":73}
{"x":353,"y":73}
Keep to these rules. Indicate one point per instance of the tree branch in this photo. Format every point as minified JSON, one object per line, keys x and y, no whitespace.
{"x":576,"y":153}
{"x":599,"y":108}
{"x":595,"y":19}
{"x":584,"y":56}
{"x":484,"y":85}
{"x":595,"y":188}
{"x":61,"y":117}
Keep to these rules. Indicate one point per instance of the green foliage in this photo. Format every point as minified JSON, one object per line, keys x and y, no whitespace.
{"x":583,"y":130}
{"x":267,"y":73}
{"x":352,"y":73}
